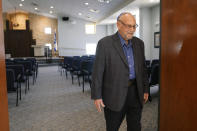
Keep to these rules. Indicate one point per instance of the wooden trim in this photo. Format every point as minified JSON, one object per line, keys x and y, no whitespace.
{"x":4,"y":121}
{"x":178,"y":99}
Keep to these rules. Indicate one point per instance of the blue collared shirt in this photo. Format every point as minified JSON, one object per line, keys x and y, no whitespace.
{"x":128,"y":51}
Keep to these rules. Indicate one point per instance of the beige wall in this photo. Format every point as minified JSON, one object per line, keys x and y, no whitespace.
{"x":37,"y":25}
{"x":4,"y":21}
{"x":19,"y":19}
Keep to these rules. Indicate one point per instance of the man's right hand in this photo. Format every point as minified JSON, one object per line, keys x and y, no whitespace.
{"x":98,"y":103}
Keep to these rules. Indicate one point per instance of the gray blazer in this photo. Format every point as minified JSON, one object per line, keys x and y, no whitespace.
{"x":111,"y":72}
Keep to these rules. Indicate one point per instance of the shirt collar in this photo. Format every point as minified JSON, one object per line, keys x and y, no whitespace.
{"x":122,"y":41}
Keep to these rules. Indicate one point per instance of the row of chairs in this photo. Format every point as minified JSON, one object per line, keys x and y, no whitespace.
{"x":150,"y":63}
{"x":153,"y":68}
{"x":82,"y":67}
{"x":18,"y":71}
{"x":79,"y":67}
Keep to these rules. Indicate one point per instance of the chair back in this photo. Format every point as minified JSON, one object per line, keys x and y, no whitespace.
{"x":18,"y":70}
{"x":154,"y":78}
{"x":10,"y":75}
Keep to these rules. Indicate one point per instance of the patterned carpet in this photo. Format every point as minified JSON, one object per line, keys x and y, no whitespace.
{"x":54,"y":104}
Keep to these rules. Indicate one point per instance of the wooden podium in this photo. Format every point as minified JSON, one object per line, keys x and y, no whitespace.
{"x":38,"y":50}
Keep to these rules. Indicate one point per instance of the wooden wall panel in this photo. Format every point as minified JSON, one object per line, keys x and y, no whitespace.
{"x":4,"y":123}
{"x":178,"y":84}
{"x":19,"y":42}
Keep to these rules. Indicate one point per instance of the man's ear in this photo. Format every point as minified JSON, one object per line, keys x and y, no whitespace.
{"x":118,"y":25}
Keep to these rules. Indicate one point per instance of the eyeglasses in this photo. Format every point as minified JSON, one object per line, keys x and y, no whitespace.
{"x":128,"y":26}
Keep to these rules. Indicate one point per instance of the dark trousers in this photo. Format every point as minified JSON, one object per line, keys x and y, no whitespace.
{"x":132,"y":110}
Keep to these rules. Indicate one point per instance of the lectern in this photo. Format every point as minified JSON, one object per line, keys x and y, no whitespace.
{"x":38,"y":50}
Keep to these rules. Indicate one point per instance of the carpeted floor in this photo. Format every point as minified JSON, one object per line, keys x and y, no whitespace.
{"x":54,"y":104}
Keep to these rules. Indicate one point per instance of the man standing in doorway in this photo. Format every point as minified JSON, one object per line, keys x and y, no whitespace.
{"x":119,"y":79}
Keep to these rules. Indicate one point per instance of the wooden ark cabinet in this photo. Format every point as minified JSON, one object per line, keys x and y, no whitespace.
{"x":19,"y":42}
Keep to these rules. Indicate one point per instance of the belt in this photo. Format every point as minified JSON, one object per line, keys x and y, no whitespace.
{"x":132,"y":82}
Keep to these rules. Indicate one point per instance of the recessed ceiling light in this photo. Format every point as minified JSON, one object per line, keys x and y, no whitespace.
{"x":22,"y":0}
{"x":79,"y":13}
{"x":50,"y":12}
{"x":94,"y":10}
{"x":51,"y":7}
{"x":86,"y":3}
{"x":104,"y":1}
{"x":20,"y":4}
{"x":36,"y":8}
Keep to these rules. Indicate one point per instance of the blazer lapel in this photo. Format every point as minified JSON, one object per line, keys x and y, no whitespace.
{"x":117,"y":45}
{"x":134,"y":45}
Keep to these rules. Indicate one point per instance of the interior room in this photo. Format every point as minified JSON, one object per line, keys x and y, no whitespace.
{"x":49,"y":51}
{"x":50,"y":35}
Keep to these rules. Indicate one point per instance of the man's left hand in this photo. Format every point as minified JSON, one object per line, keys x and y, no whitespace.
{"x":145,"y":97}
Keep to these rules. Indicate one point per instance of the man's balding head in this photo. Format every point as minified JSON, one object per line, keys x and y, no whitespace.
{"x":124,"y":13}
{"x":126,"y":24}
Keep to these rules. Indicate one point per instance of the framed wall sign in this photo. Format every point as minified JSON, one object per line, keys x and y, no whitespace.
{"x":157,"y":39}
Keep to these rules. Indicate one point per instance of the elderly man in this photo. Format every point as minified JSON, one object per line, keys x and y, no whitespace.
{"x":119,"y":79}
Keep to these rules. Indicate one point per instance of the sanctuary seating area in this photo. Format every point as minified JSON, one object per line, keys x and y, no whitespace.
{"x":81,"y":68}
{"x":20,"y":70}
{"x":76,"y":66}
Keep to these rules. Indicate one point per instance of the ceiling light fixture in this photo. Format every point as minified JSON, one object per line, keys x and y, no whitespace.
{"x":94,"y":10}
{"x":36,"y":8}
{"x":20,"y":4}
{"x":51,"y":7}
{"x":79,"y":13}
{"x":104,"y":1}
{"x":22,"y":0}
{"x":50,"y":12}
{"x":86,"y":3}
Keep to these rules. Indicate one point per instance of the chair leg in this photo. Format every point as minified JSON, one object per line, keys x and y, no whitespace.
{"x":35,"y":76}
{"x":28,"y":81}
{"x":33,"y":79}
{"x":36,"y":72}
{"x":20,"y":90}
{"x":17,"y":95}
{"x":26,"y":85}
{"x":83,"y":82}
{"x":72,"y":78}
